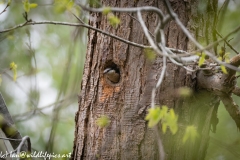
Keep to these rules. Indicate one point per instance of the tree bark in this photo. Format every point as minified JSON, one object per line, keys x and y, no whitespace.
{"x":126,"y":103}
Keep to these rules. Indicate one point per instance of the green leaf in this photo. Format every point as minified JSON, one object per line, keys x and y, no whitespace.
{"x":103,"y":121}
{"x":9,"y":2}
{"x":190,"y":134}
{"x":150,"y":54}
{"x":70,"y":5}
{"x":201,"y":59}
{"x":153,"y":116}
{"x":198,"y":54}
{"x":220,"y":58}
{"x":164,"y":127}
{"x":13,"y":67}
{"x":33,"y":5}
{"x":226,"y":57}
{"x":172,"y":121}
{"x":184,"y":91}
{"x":114,"y":21}
{"x":106,"y":10}
{"x":60,"y":6}
{"x":94,"y":3}
{"x":224,"y":70}
{"x":164,"y":113}
{"x":221,"y":52}
{"x":168,"y":119}
{"x":26,"y":6}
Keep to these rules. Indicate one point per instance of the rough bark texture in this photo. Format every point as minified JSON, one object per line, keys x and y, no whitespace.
{"x":126,"y":103}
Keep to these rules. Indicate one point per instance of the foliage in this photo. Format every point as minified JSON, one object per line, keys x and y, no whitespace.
{"x":168,"y":119}
{"x":13,"y":67}
{"x":150,"y":54}
{"x":46,"y":63}
{"x":106,"y":10}
{"x":45,"y":58}
{"x":113,"y":20}
{"x":190,"y":134}
{"x":103,"y":121}
{"x":185,"y":92}
{"x":27,"y":6}
{"x":201,"y":59}
{"x":224,"y":144}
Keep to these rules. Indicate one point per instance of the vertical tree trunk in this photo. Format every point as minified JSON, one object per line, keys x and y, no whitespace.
{"x":126,"y":103}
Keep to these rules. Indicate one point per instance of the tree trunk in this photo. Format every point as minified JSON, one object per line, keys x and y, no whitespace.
{"x":126,"y":103}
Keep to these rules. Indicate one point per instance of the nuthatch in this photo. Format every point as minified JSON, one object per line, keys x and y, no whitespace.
{"x":112,"y":75}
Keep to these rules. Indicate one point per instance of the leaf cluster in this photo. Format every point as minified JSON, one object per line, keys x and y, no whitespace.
{"x":167,"y":118}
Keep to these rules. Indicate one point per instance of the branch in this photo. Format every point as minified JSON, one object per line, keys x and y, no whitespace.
{"x":139,"y":22}
{"x":231,"y":107}
{"x":164,"y":20}
{"x":229,"y":45}
{"x":24,"y":139}
{"x":220,"y":40}
{"x":225,"y":146}
{"x":236,"y":91}
{"x":234,"y":61}
{"x":201,"y":48}
{"x":150,"y":40}
{"x":7,"y":125}
{"x":130,"y":10}
{"x":76,"y":25}
{"x":4,"y":10}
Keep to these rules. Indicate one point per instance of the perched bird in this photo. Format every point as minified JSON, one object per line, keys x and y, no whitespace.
{"x":112,"y":75}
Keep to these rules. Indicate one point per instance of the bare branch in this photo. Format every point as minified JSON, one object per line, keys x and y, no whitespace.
{"x":228,"y":44}
{"x":76,"y":25}
{"x":4,"y":10}
{"x":7,"y":125}
{"x":235,"y":61}
{"x":175,"y":17}
{"x":222,"y":11}
{"x":24,"y":139}
{"x":139,"y":22}
{"x":236,"y":91}
{"x":135,"y":9}
{"x":225,"y":146}
{"x":145,"y":30}
{"x":231,"y":107}
{"x":220,"y":40}
{"x":10,"y":139}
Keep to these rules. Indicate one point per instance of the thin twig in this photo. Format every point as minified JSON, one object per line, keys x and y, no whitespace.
{"x":76,"y":25}
{"x":4,"y":10}
{"x":228,"y":44}
{"x":220,"y":18}
{"x":201,"y":48}
{"x":236,"y":91}
{"x":175,"y":17}
{"x":225,"y":146}
{"x":10,"y":139}
{"x":138,"y":22}
{"x":24,"y":139}
{"x":130,"y":10}
{"x":183,"y":53}
{"x":145,"y":30}
{"x":220,"y":40}
{"x":231,"y":107}
{"x":164,"y":53}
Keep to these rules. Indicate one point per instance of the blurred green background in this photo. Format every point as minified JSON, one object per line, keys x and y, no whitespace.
{"x":50,"y":61}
